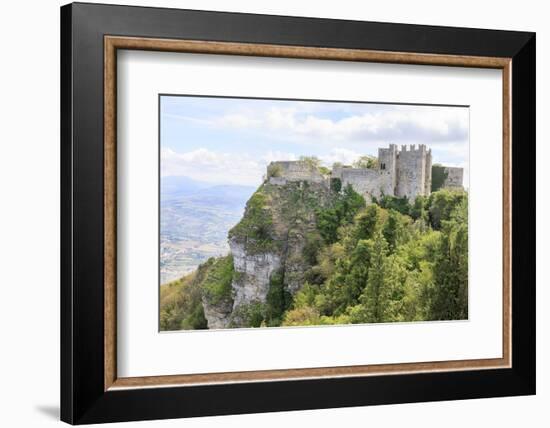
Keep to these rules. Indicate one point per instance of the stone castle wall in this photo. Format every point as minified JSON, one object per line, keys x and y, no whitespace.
{"x":387,"y":165}
{"x":402,"y":173}
{"x":454,"y":177}
{"x":363,"y":180}
{"x":294,"y":171}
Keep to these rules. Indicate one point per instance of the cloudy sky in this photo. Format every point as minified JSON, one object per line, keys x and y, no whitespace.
{"x":231,"y":140}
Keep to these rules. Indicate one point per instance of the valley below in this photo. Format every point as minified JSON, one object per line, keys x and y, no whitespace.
{"x":195,"y":219}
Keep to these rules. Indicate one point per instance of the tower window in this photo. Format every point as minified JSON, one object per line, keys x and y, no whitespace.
{"x":382,"y":166}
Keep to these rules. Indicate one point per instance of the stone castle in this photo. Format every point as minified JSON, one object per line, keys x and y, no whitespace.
{"x":401,"y":173}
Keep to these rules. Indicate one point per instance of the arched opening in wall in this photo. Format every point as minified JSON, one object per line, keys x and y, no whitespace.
{"x":382,"y":166}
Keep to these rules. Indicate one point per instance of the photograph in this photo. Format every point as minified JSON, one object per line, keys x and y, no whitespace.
{"x":265,"y":211}
{"x":295,"y":213}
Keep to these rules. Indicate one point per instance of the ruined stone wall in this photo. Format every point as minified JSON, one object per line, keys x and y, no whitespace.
{"x":337,"y":171}
{"x":364,"y":181}
{"x":294,"y":171}
{"x":278,"y":181}
{"x":454,"y":177}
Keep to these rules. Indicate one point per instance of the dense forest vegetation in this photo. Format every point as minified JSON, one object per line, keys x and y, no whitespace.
{"x":385,"y":261}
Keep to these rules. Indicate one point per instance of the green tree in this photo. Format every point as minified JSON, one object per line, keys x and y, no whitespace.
{"x":312,"y":162}
{"x":324,"y":170}
{"x":216,"y":285}
{"x":335,"y":184}
{"x":394,"y":203}
{"x":360,"y":263}
{"x":367,"y":222}
{"x":395,"y":229}
{"x":419,"y":208}
{"x":278,"y":299}
{"x":313,"y":245}
{"x":349,"y":204}
{"x":274,"y":170}
{"x":442,"y":203}
{"x":450,"y":293}
{"x":375,"y":293}
{"x":438,"y":177}
{"x":256,"y":225}
{"x":366,"y":161}
{"x":180,"y":304}
{"x":344,"y":208}
{"x":303,"y":316}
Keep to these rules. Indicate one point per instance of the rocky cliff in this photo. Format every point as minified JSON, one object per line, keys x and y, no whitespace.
{"x":269,"y":253}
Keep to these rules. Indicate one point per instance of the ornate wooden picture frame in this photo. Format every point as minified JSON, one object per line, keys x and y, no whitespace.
{"x":91,"y":389}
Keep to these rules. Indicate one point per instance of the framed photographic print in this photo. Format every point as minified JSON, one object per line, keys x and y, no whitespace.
{"x":265,"y":213}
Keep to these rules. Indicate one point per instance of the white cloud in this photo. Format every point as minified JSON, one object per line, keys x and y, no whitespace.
{"x":341,"y":155}
{"x":336,"y":133}
{"x":275,"y":155}
{"x":397,"y":124}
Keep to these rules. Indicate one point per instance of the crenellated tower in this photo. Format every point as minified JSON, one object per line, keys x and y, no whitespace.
{"x":414,"y":176}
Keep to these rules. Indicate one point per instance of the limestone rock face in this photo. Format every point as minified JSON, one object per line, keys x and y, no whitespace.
{"x":217,"y":315}
{"x":267,"y":255}
{"x":252,"y":276}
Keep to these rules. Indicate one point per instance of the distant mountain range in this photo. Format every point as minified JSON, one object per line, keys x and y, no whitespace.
{"x":173,"y":186}
{"x":195,"y":217}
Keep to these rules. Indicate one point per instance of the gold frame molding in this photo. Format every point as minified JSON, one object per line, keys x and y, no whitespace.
{"x":113,"y":43}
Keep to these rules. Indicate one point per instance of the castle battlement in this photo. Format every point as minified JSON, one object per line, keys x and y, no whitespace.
{"x":403,"y":173}
{"x":414,"y":149}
